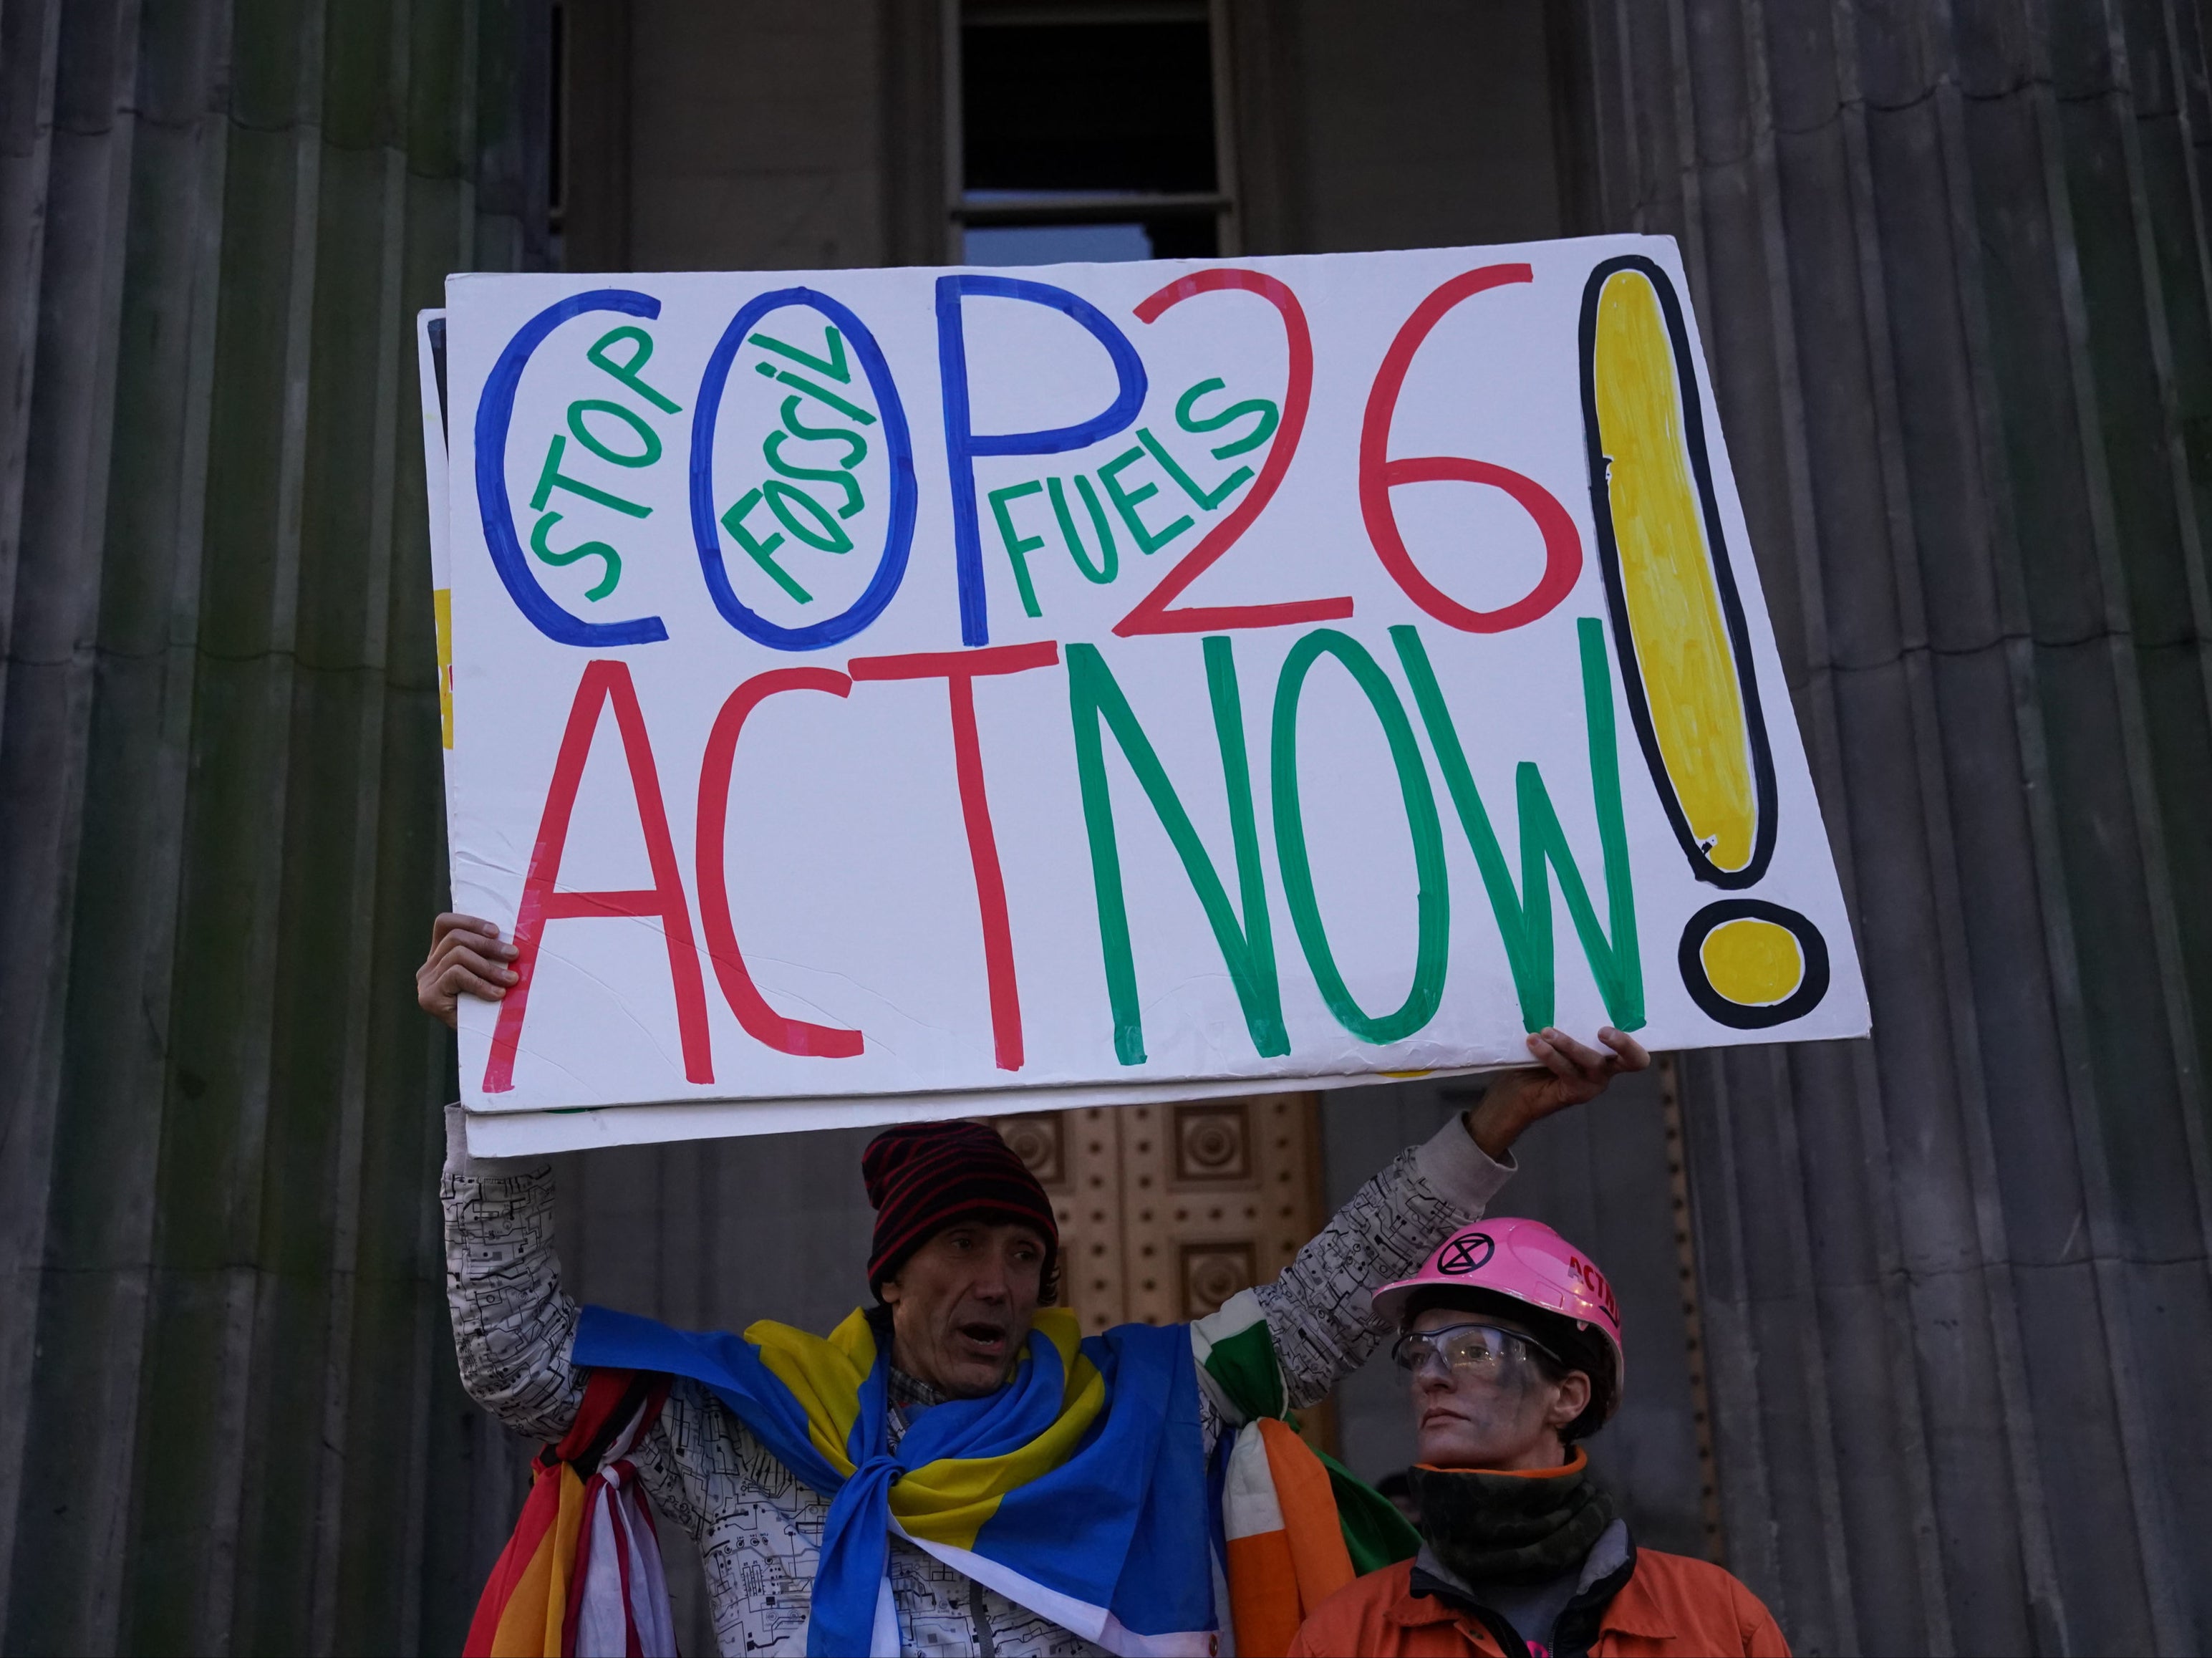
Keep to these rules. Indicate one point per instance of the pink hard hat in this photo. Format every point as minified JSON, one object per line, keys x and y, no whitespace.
{"x":1526,"y":1261}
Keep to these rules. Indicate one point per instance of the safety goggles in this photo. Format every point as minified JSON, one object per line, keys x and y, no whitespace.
{"x":1482,"y":1350}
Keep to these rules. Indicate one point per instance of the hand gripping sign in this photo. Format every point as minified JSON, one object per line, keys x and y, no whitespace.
{"x":872,"y":692}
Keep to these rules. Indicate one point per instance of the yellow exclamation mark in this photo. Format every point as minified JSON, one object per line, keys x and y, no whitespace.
{"x":1676,"y":616}
{"x":1685,"y":652}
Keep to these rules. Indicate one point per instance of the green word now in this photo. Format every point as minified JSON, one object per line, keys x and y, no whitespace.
{"x":618,"y":452}
{"x":1243,"y":930}
{"x":802,"y":514}
{"x":1128,"y":498}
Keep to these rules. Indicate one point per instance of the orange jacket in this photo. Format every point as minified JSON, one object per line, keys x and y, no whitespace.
{"x":1672,"y":1608}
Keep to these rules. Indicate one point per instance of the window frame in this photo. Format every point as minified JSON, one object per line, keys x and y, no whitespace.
{"x":963,"y":208}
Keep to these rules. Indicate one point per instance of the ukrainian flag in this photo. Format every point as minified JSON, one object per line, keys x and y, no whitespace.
{"x":1078,"y":1490}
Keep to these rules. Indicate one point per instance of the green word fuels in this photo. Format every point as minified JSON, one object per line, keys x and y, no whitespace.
{"x":1128,"y":496}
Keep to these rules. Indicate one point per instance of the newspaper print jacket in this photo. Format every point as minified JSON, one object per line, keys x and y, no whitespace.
{"x":758,"y":1529}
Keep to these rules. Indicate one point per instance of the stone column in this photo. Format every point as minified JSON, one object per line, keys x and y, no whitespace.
{"x":227,"y":1417}
{"x":1949,"y":260}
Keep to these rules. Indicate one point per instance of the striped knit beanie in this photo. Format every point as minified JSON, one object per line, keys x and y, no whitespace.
{"x":924,"y":1176}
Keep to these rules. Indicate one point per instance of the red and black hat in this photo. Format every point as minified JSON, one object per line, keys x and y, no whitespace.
{"x":924,"y":1176}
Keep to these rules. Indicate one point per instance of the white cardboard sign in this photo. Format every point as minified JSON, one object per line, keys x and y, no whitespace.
{"x":874,"y":693}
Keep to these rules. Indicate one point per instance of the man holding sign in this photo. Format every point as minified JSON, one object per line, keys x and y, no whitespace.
{"x":876,"y":696}
{"x":952,"y":1470}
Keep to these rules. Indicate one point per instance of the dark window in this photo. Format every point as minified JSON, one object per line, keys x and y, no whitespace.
{"x":1086,"y":136}
{"x":1088,"y":106}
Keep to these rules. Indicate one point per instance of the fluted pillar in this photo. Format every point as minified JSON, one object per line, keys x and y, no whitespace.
{"x":227,"y":1419}
{"x":1949,"y":260}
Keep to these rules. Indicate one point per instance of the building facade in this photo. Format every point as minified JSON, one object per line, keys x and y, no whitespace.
{"x":1914,"y":1322}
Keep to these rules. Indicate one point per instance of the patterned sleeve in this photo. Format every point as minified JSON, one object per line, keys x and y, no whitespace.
{"x":512,"y":1326}
{"x":1319,"y":1311}
{"x":514,"y":1329}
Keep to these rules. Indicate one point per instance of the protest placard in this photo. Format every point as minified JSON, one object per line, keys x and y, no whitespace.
{"x":869,"y":692}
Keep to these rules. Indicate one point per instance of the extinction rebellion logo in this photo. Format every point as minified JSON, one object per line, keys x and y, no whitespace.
{"x":1468,"y":1252}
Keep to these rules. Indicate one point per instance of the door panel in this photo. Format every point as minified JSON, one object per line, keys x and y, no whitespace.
{"x":1167,"y":1210}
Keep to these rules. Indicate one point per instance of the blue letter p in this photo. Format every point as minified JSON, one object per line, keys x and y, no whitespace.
{"x":963,"y":445}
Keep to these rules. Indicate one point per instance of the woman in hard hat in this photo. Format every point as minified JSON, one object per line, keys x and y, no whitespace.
{"x":1512,"y":1343}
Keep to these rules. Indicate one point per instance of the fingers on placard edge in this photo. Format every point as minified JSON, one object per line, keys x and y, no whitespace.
{"x":469,"y":961}
{"x":1585,"y":1060}
{"x":1576,"y":1049}
{"x":459,"y":979}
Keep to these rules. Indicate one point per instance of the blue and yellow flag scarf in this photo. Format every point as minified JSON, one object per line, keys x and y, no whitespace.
{"x":1078,"y":1490}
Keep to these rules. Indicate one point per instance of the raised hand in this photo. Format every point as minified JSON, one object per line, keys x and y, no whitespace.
{"x":1567,"y":1073}
{"x":466,"y":957}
